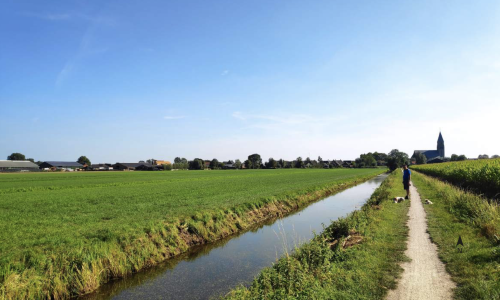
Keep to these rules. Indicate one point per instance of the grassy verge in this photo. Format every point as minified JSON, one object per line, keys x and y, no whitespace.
{"x":356,"y":257}
{"x":457,"y":213}
{"x":58,"y":267}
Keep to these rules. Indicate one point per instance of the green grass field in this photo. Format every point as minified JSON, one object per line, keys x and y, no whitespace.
{"x":57,"y":230}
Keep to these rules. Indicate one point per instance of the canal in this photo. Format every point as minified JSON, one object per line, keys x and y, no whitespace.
{"x":212,"y":270}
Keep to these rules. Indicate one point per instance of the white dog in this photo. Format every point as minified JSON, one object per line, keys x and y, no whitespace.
{"x":427,"y":201}
{"x":398,"y":199}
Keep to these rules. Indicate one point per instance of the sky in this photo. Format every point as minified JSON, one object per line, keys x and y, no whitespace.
{"x":123,"y":81}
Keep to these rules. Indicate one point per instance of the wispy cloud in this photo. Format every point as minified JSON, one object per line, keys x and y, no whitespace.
{"x":288,"y":123}
{"x":85,"y":48}
{"x":48,"y":16}
{"x":173,"y":117}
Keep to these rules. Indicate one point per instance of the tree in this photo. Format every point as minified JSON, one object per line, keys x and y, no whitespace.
{"x":83,"y":160}
{"x":16,"y":156}
{"x":237,"y":164}
{"x":299,"y":163}
{"x":197,"y":164}
{"x":380,"y":157}
{"x":248,"y":164}
{"x":31,"y":159}
{"x":167,"y":167}
{"x":320,"y":160}
{"x":214,"y":164}
{"x":495,"y":156}
{"x":396,"y":159}
{"x":177,"y":160}
{"x":281,"y":163}
{"x":184,"y":161}
{"x":420,"y":159}
{"x":454,"y":157}
{"x":308,"y":162}
{"x":484,"y":156}
{"x":462,"y":157}
{"x":255,"y":161}
{"x":271,"y":164}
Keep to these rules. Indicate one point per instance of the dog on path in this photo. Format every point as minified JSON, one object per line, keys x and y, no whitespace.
{"x":398,"y":199}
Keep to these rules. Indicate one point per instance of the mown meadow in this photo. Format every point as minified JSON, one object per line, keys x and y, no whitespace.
{"x":481,"y":176}
{"x":64,"y":234}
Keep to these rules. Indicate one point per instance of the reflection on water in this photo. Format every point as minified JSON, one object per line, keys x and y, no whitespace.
{"x":211,"y":270}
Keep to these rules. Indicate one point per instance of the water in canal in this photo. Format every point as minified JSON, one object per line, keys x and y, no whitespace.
{"x":209,"y":271}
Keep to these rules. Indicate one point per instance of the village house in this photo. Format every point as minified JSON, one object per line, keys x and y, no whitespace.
{"x":140,"y":166}
{"x":60,"y":165}
{"x":100,"y":167}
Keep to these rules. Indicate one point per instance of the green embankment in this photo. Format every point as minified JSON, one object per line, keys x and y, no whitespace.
{"x":354,"y":258}
{"x":481,"y":176}
{"x":66,"y":234}
{"x":457,"y":213}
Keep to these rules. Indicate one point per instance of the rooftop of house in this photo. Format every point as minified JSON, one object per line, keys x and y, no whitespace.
{"x":63,"y":163}
{"x":17,"y":164}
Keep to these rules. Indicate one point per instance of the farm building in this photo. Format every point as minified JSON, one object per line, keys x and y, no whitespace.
{"x":17,"y":166}
{"x":100,"y":167}
{"x":60,"y":165}
{"x":133,"y":166}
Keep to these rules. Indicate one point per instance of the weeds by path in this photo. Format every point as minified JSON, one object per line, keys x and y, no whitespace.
{"x":475,"y":269}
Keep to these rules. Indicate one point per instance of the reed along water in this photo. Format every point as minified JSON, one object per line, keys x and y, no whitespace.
{"x":212,"y":270}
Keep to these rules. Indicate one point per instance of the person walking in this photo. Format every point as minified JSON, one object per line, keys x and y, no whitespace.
{"x":406,"y":180}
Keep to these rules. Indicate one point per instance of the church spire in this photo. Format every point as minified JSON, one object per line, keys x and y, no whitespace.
{"x":440,"y":145}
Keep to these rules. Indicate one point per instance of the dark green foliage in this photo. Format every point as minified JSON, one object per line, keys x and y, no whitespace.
{"x":197,"y":164}
{"x":299,"y":163}
{"x":83,"y":160}
{"x":16,"y":156}
{"x":271,"y":164}
{"x":237,"y":164}
{"x":214,"y":164}
{"x":396,"y":159}
{"x":366,"y":161}
{"x":420,"y":158}
{"x":254,"y":161}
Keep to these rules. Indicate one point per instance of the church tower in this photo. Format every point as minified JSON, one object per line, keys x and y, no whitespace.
{"x":440,"y":147}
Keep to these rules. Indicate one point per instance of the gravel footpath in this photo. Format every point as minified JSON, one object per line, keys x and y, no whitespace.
{"x":425,"y":276}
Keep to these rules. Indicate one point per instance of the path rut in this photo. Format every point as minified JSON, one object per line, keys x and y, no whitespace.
{"x":425,"y":277}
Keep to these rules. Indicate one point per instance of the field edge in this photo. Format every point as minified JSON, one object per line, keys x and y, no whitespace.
{"x":160,"y":242}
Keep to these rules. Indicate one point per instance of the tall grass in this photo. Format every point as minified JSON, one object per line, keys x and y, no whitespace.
{"x":468,"y":207}
{"x":481,"y":176}
{"x":456,"y":213}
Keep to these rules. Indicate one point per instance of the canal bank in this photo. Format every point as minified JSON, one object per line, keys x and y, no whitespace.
{"x":212,"y":270}
{"x":356,"y":257}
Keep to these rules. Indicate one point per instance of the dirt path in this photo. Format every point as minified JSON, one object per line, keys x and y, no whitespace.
{"x":425,"y":276}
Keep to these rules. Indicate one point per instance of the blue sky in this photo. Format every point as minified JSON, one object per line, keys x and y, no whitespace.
{"x":131,"y":80}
